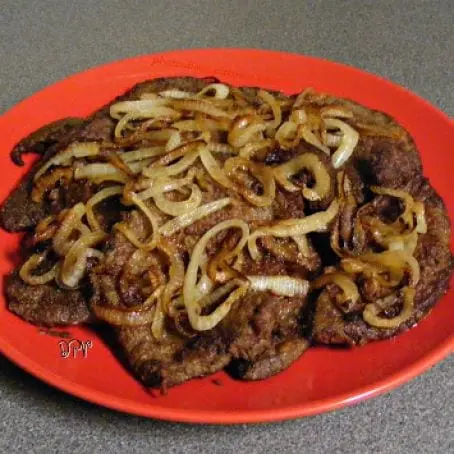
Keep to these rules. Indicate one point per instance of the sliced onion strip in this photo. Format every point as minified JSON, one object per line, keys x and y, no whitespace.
{"x":348,"y":143}
{"x":99,"y":172}
{"x":179,"y":208}
{"x":192,"y":304}
{"x":26,"y":271}
{"x":76,"y":150}
{"x":183,"y":221}
{"x":97,"y":198}
{"x":312,"y":163}
{"x":75,"y":263}
{"x":214,"y":169}
{"x":280,"y":285}
{"x":316,"y":222}
{"x":70,"y":222}
{"x":371,"y":312}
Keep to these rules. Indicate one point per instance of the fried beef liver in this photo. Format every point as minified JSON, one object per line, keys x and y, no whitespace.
{"x":49,"y":305}
{"x":46,"y":305}
{"x":394,"y":163}
{"x":265,"y":334}
{"x":157,"y":363}
{"x":262,"y":334}
{"x":18,"y":211}
{"x":259,"y":337}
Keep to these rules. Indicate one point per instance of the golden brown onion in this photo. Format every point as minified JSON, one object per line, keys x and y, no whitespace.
{"x":72,"y":220}
{"x":97,"y":198}
{"x":193,"y":305}
{"x":312,"y":163}
{"x":179,"y":208}
{"x":214,"y":169}
{"x":119,"y":317}
{"x":48,"y":182}
{"x":180,"y":222}
{"x":259,"y":172}
{"x":64,"y":158}
{"x":317,"y":222}
{"x":371,"y":312}
{"x":26,"y":271}
{"x":245,"y":128}
{"x":350,"y":294}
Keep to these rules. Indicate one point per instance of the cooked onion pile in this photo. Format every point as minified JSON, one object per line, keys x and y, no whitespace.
{"x":180,"y":157}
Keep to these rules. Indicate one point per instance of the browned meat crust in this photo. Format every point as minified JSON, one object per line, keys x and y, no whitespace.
{"x":265,"y":334}
{"x":46,"y":305}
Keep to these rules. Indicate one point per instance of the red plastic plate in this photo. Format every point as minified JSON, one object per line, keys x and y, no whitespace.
{"x":323,"y":379}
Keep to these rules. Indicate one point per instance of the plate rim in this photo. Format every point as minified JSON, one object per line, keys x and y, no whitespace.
{"x":373,"y":389}
{"x":223,"y":417}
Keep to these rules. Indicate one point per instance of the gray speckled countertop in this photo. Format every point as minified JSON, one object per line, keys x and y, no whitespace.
{"x":409,"y":42}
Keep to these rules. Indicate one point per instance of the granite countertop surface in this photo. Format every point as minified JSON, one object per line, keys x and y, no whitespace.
{"x":408,"y":41}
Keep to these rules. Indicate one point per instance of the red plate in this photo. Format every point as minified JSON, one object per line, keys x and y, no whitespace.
{"x":323,"y":379}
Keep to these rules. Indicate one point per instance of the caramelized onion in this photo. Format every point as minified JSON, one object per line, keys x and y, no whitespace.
{"x":308,"y":135}
{"x":70,"y":222}
{"x":75,"y":263}
{"x":370,"y":271}
{"x":298,"y":116}
{"x":164,"y":184}
{"x":99,"y":172}
{"x":97,"y":198}
{"x":207,"y":322}
{"x":260,"y":172}
{"x":47,"y":182}
{"x":157,"y":326}
{"x":150,"y":243}
{"x":397,"y":262}
{"x":421,"y":225}
{"x":176,"y":94}
{"x":64,"y":158}
{"x":348,"y":142}
{"x":200,"y":105}
{"x":143,"y":107}
{"x":249,"y":150}
{"x":312,"y":163}
{"x":399,"y":194}
{"x":335,"y":112}
{"x":221,"y":91}
{"x":244,"y":129}
{"x":179,"y":208}
{"x":275,"y":107}
{"x":120,"y":317}
{"x":317,"y":222}
{"x":202,"y":124}
{"x":180,"y":222}
{"x":287,"y":135}
{"x":219,"y":269}
{"x":26,"y":271}
{"x":214,"y":169}
{"x":350,"y":293}
{"x":176,"y":273}
{"x":188,"y":158}
{"x":194,"y":308}
{"x":371,"y":312}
